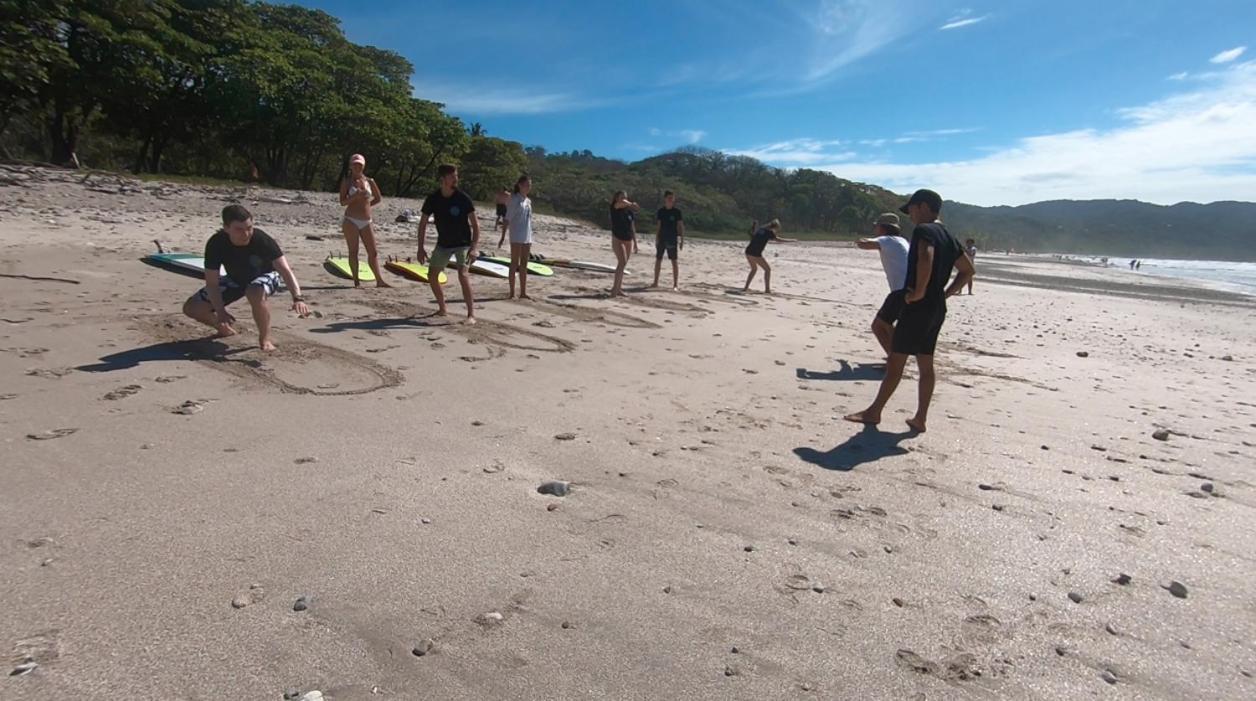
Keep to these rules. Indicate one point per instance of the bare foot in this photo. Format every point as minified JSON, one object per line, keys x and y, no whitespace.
{"x":655,"y":286}
{"x":267,"y":346}
{"x":675,"y":288}
{"x":864,"y":417}
{"x":356,"y":284}
{"x":617,"y":293}
{"x":916,"y":425}
{"x":470,"y":320}
{"x":381,"y":283}
{"x":225,"y":330}
{"x":525,"y":297}
{"x":441,"y":312}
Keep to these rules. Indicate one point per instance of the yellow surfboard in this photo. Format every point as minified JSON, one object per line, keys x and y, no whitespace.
{"x":340,"y":268}
{"x":413,"y":271}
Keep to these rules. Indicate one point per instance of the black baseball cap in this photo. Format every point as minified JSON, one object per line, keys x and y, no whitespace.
{"x":929,"y":197}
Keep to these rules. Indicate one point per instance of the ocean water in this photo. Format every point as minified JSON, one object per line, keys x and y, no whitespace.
{"x":1238,"y":277}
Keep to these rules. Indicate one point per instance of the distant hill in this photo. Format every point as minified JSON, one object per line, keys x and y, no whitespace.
{"x":720,"y":194}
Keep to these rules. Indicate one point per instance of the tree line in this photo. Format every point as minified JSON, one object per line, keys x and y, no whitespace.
{"x":222,"y":88}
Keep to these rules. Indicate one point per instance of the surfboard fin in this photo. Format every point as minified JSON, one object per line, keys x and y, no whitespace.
{"x":158,"y":245}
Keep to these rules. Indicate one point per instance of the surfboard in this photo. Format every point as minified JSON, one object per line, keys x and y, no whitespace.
{"x":190,"y":264}
{"x":580,"y":265}
{"x":340,"y":268}
{"x":534,"y":268}
{"x":485,"y":267}
{"x":413,"y":271}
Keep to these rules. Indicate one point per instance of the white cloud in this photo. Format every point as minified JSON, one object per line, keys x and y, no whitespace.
{"x":1198,"y":145}
{"x":1181,"y":75}
{"x":693,"y":136}
{"x":1228,"y":55}
{"x":473,"y":101}
{"x":957,"y":22}
{"x":797,"y":152}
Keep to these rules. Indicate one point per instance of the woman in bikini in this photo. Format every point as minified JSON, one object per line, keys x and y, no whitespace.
{"x":358,"y":193}
{"x":623,"y":236}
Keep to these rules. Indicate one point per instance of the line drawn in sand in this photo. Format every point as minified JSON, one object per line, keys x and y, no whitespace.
{"x":486,"y":331}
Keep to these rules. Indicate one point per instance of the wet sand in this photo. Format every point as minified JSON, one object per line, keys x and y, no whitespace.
{"x":169,"y":498}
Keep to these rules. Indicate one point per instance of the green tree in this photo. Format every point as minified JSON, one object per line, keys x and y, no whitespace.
{"x":491,"y":164}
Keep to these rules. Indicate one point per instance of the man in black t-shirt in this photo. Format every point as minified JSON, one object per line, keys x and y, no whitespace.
{"x":457,"y":237}
{"x":669,"y":239}
{"x":254,"y":265}
{"x":934,"y":252}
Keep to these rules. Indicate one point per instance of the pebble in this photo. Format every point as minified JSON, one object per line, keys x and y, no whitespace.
{"x":819,"y":588}
{"x":241,"y":601}
{"x":1122,"y":579}
{"x":1111,"y":629}
{"x":496,"y":467}
{"x":290,"y":694}
{"x":734,"y":650}
{"x":551,"y":507}
{"x":565,"y":437}
{"x":1075,"y":597}
{"x":667,"y":589}
{"x":25,"y":668}
{"x":985,"y":487}
{"x":492,"y":618}
{"x":1083,"y":354}
{"x":305,"y":461}
{"x":1177,"y":589}
{"x":1161,"y":435}
{"x":302,"y":603}
{"x":556,"y":488}
{"x":1061,"y":650}
{"x":730,"y":671}
{"x":1207,"y":487}
{"x":423,"y":648}
{"x":311,"y":696}
{"x":749,"y":548}
{"x":566,"y":625}
{"x":898,"y":602}
{"x":1108,"y":676}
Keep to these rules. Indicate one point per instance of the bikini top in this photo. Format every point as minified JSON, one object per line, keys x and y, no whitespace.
{"x":366,"y":187}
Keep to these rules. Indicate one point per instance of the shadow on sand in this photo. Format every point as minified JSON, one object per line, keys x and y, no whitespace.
{"x":846,"y":372}
{"x":869,"y":445}
{"x":198,"y":349}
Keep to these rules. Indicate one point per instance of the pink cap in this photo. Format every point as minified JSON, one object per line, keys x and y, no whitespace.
{"x":357,"y":158}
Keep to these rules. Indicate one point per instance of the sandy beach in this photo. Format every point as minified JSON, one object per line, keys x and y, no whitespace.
{"x":1078,"y":522}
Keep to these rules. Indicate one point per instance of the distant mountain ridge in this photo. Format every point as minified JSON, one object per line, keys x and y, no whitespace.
{"x":720,"y":194}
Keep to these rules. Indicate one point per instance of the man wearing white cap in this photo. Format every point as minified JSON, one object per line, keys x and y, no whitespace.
{"x":888,"y":239}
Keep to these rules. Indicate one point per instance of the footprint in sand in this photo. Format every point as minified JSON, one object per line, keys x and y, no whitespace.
{"x":52,"y":434}
{"x":122,"y":393}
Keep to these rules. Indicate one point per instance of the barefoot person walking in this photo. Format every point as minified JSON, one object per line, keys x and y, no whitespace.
{"x":519,"y":225}
{"x":934,"y":252}
{"x":358,"y":194}
{"x":623,"y":236}
{"x":759,"y":237}
{"x":254,"y":265}
{"x":457,"y":237}
{"x":502,"y":201}
{"x":669,"y":238}
{"x":888,"y":239}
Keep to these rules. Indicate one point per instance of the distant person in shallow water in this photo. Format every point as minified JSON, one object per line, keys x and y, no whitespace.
{"x":888,"y":239}
{"x":254,"y":264}
{"x":934,"y":252}
{"x":970,"y":247}
{"x":623,"y":236}
{"x":759,"y":237}
{"x":358,"y":194}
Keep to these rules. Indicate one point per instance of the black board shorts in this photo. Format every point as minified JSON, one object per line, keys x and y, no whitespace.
{"x":918,"y":328}
{"x":892,"y":308}
{"x":665,"y":245}
{"x":501,"y":212}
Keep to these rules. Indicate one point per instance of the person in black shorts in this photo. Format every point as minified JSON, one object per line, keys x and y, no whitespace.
{"x":623,"y":236}
{"x":889,"y":242}
{"x":759,"y":237}
{"x":934,"y":252}
{"x":669,"y":238}
{"x":502,"y":201}
{"x":254,"y":265}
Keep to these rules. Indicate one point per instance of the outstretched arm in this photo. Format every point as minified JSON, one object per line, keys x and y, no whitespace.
{"x":868,"y":244}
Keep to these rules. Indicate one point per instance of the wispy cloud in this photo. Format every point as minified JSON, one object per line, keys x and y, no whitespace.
{"x":486,"y":101}
{"x":690,"y":136}
{"x":1181,"y":75}
{"x":1197,"y":145}
{"x":1228,"y":55}
{"x":845,"y":31}
{"x":798,"y":152}
{"x":957,"y":22}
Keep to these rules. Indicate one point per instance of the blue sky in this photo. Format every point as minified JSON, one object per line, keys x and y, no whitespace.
{"x":995,"y":103}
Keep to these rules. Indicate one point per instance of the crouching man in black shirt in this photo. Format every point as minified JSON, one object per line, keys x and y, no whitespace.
{"x":934,"y":252}
{"x":254,"y":265}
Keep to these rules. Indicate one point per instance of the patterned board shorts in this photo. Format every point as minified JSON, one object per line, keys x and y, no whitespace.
{"x":231,"y":291}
